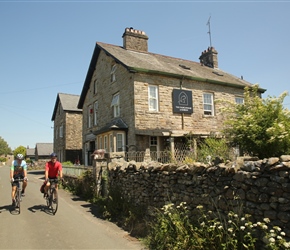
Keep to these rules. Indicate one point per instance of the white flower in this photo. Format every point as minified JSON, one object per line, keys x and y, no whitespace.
{"x":282,"y":233}
{"x":272,"y":240}
{"x":242,"y":228}
{"x":267,"y":220}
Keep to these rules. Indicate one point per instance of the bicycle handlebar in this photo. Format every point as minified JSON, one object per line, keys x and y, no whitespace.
{"x":19,"y":179}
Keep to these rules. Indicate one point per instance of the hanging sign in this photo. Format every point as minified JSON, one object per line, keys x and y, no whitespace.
{"x":182,"y":101}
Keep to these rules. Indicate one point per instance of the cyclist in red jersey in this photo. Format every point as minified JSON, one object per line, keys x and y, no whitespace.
{"x":53,"y":169}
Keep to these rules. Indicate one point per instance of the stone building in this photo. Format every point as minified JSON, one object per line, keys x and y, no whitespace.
{"x":42,"y":151}
{"x":133,"y":99}
{"x":67,"y":120}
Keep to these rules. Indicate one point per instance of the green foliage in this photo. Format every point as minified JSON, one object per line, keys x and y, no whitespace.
{"x":20,"y":150}
{"x":173,"y":229}
{"x":3,"y":159}
{"x":213,"y":147}
{"x":260,"y":127}
{"x":67,"y":163}
{"x":116,"y":208}
{"x":4,"y":148}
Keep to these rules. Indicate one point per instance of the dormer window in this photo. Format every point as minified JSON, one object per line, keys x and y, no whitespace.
{"x":113,"y":71}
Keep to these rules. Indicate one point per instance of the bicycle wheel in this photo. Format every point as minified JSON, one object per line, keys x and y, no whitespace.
{"x":54,"y":201}
{"x":17,"y":201}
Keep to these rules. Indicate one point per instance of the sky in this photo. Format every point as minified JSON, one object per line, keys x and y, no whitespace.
{"x":46,"y":48}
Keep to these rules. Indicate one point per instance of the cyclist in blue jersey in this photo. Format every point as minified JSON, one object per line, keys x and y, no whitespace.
{"x":18,"y":169}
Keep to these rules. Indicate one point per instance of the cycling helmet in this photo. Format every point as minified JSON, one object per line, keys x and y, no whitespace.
{"x":53,"y":155}
{"x":19,"y":157}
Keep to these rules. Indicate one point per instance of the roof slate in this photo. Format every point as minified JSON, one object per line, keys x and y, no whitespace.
{"x":170,"y":65}
{"x":136,"y":61}
{"x":68,"y":102}
{"x":44,"y":149}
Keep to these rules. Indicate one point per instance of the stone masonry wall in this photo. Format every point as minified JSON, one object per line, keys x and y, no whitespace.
{"x":262,"y":187}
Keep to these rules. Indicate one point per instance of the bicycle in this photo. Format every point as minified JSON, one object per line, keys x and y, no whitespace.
{"x":17,"y":196}
{"x":52,"y":196}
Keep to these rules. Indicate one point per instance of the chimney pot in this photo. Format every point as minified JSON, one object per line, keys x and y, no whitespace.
{"x":135,"y":40}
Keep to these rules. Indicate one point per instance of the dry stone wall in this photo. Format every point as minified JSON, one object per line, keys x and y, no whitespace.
{"x":260,"y":187}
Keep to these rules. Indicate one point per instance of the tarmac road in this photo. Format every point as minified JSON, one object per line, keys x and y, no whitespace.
{"x":74,"y":226}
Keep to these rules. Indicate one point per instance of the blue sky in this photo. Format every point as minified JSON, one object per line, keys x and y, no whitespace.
{"x":46,"y":48}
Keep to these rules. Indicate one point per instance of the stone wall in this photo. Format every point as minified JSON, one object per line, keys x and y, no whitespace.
{"x":260,"y":187}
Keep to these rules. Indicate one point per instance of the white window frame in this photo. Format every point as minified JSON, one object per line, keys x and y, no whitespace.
{"x":96,"y":113}
{"x":239,"y":100}
{"x":116,"y":105}
{"x":208,"y":106}
{"x":153,"y":143}
{"x":153,"y":98}
{"x":120,"y":142}
{"x":113,"y":73}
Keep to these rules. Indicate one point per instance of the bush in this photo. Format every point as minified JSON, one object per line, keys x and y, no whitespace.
{"x":3,"y":159}
{"x":173,"y":229}
{"x":260,"y":127}
{"x":67,"y":163}
{"x":213,"y":147}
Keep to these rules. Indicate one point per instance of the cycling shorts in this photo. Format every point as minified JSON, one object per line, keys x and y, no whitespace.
{"x":15,"y":183}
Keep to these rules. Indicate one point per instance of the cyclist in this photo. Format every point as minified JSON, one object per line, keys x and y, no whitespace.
{"x":53,"y":168}
{"x":18,"y":170}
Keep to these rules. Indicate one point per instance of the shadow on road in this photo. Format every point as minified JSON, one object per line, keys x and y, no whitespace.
{"x":35,"y":208}
{"x":6,"y":208}
{"x":36,"y":172}
{"x":92,"y":208}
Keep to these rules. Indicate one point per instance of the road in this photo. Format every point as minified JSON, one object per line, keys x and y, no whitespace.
{"x":75,"y":225}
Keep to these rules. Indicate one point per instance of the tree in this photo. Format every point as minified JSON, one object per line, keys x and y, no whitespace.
{"x":260,"y":127}
{"x":20,"y":150}
{"x":4,"y":148}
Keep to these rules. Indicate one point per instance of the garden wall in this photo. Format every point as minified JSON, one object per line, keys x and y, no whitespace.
{"x":260,"y":187}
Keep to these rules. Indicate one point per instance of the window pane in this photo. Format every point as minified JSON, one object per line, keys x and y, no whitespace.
{"x":239,"y":100}
{"x":153,"y":98}
{"x":119,"y":142}
{"x":208,"y":104}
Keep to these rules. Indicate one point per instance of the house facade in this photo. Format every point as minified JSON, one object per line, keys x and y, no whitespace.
{"x":42,"y":151}
{"x":133,"y":99}
{"x":67,"y":118}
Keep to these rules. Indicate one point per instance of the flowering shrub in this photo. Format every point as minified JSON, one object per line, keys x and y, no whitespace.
{"x":173,"y":229}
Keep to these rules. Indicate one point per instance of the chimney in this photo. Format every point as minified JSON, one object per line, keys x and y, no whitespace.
{"x":135,"y":40}
{"x":209,"y":58}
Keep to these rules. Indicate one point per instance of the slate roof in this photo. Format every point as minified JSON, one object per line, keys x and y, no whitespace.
{"x":30,"y":151}
{"x":68,"y":102}
{"x":116,"y":124}
{"x":44,"y":149}
{"x":136,"y":61}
